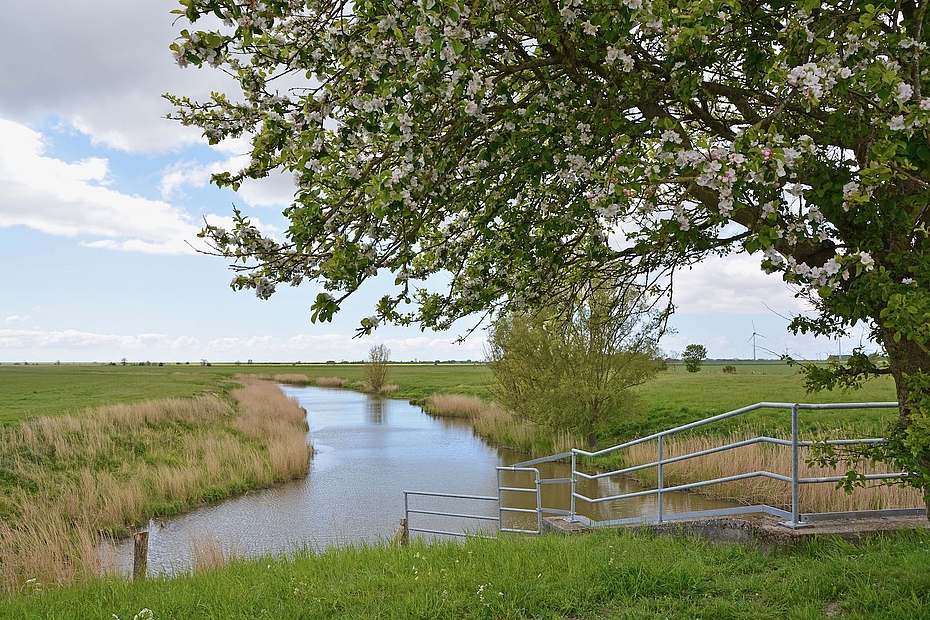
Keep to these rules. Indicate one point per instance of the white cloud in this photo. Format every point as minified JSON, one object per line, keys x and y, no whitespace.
{"x":104,"y":75}
{"x":733,"y":285}
{"x":15,"y":318}
{"x":69,"y":199}
{"x":275,"y":190}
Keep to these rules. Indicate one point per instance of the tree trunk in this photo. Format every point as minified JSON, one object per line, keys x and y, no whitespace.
{"x":908,"y":360}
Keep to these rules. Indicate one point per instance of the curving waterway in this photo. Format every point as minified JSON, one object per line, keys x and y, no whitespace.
{"x":368,"y":451}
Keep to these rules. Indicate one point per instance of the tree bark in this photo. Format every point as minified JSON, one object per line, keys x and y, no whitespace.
{"x":908,"y":358}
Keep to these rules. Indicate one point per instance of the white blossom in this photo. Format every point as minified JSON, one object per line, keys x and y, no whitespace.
{"x":904,"y":92}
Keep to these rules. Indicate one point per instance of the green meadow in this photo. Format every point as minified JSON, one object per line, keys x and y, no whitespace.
{"x":604,"y":575}
{"x":674,"y":397}
{"x":599,"y":576}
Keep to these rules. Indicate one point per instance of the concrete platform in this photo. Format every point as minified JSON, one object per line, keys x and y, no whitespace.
{"x":760,"y":528}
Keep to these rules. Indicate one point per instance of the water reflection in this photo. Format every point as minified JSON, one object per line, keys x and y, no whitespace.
{"x":368,"y":451}
{"x":375,"y":408}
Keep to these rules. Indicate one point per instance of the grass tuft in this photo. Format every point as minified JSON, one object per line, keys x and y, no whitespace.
{"x":455,"y":405}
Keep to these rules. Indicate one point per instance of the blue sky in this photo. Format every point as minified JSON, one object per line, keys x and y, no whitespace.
{"x":102,"y":198}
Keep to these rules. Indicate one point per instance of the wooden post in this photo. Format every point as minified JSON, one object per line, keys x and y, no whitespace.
{"x":402,"y":535}
{"x":140,"y":557}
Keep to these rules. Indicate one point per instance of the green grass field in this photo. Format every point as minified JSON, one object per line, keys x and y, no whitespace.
{"x":606,"y":575}
{"x":46,"y":389}
{"x":674,"y":397}
{"x":599,"y":576}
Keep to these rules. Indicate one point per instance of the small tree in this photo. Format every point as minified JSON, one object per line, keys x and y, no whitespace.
{"x":693,"y":357}
{"x":572,"y":373}
{"x":376,"y":368}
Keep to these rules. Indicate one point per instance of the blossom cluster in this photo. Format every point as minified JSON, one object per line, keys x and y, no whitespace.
{"x":510,"y":145}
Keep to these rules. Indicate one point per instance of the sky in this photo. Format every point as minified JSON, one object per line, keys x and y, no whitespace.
{"x":101,"y":198}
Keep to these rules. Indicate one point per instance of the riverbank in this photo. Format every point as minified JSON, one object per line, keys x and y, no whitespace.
{"x":599,"y":576}
{"x":66,"y":481}
{"x":37,"y":389}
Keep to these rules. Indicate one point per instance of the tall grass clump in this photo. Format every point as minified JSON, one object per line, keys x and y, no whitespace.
{"x":454,"y":405}
{"x":504,"y":428}
{"x":294,"y":379}
{"x":67,"y":483}
{"x":334,"y":382}
{"x":823,"y":497}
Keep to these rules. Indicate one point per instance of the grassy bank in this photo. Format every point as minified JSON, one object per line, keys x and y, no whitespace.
{"x":50,"y":390}
{"x":604,"y":575}
{"x":66,"y":480}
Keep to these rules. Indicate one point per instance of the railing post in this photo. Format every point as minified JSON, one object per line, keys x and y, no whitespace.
{"x":571,"y":512}
{"x":500,"y":501}
{"x":661,"y":477}
{"x":406,"y":509}
{"x":538,"y":503}
{"x":795,"y":471}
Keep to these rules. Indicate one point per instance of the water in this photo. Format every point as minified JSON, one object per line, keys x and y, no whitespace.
{"x":368,"y":451}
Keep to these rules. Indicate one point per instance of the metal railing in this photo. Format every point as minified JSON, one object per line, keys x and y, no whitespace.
{"x":503,"y":507}
{"x":408,"y":511}
{"x":793,"y":519}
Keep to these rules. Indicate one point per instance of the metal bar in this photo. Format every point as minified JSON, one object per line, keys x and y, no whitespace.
{"x":686,"y":427}
{"x":518,"y":531}
{"x":500,"y":503}
{"x":660,"y":497}
{"x":545,"y":459}
{"x":571,"y":513}
{"x":875,"y":405}
{"x":452,"y":514}
{"x":838,"y":478}
{"x":555,"y":481}
{"x":736,"y":412}
{"x":518,"y":489}
{"x":538,"y":504}
{"x":445,"y":533}
{"x":526,"y":510}
{"x":685,"y":487}
{"x":795,"y":471}
{"x":846,"y":442}
{"x":454,"y":495}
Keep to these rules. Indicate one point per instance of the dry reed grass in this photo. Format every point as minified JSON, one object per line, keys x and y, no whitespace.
{"x":210,"y":553}
{"x":70,"y":480}
{"x":455,"y":405}
{"x":823,"y":497}
{"x":335,"y":382}
{"x":504,"y":428}
{"x":293,"y":379}
{"x":366,"y":387}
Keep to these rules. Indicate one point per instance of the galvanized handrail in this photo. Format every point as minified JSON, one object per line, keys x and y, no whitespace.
{"x":794,"y":519}
{"x":409,"y":511}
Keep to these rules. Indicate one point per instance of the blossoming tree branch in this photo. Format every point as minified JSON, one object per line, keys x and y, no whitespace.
{"x":526,"y":148}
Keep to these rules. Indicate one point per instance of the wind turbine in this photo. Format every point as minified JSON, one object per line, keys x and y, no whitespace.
{"x":753,"y":338}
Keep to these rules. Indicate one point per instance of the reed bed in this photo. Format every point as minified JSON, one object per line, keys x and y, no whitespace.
{"x":67,"y":483}
{"x":823,"y":497}
{"x":334,"y":382}
{"x":455,"y":405}
{"x":293,"y":379}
